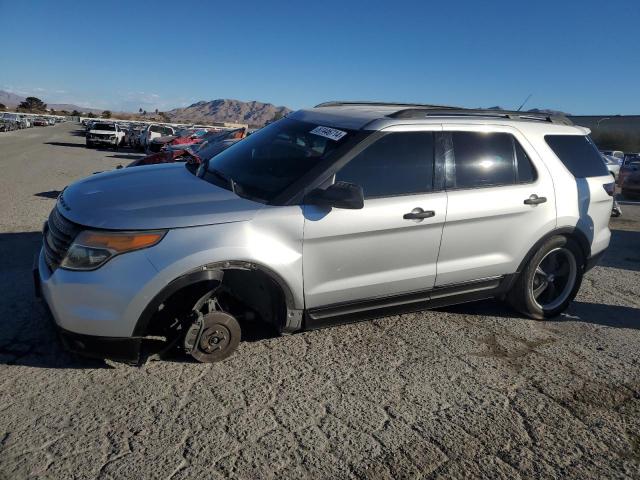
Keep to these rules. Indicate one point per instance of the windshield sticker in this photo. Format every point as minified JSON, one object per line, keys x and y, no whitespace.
{"x":330,"y":133}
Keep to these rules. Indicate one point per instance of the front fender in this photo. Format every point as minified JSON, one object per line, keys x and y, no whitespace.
{"x":275,"y":247}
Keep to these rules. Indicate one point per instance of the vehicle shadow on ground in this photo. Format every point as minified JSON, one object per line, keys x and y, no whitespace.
{"x":623,"y":251}
{"x":48,"y":194}
{"x":66,"y":144}
{"x":594,"y":313}
{"x":127,"y":156}
{"x":607,"y":315}
{"x":27,"y":336}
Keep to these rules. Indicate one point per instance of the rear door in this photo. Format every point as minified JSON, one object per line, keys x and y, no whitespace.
{"x":500,"y":202}
{"x":375,"y":252}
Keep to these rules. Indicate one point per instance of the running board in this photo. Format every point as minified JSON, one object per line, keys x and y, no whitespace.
{"x":349,"y":312}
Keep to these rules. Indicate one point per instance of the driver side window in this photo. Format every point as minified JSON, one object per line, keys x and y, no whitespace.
{"x":399,"y":163}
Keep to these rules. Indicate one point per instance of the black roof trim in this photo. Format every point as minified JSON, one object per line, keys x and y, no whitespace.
{"x":340,"y":103}
{"x":419,"y":110}
{"x":417,"y":113}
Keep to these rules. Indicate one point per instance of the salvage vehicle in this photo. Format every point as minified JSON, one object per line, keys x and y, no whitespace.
{"x":185,"y":136}
{"x":194,"y":153}
{"x":154,"y":131}
{"x":40,"y":122}
{"x":105,"y":133}
{"x":333,"y":214}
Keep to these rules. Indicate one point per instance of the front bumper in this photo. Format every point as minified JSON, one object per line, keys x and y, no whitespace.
{"x":105,"y":141}
{"x":96,"y":312}
{"x":123,"y":349}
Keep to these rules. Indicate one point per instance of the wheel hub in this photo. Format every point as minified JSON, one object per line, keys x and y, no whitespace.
{"x":554,"y":278}
{"x":213,"y":337}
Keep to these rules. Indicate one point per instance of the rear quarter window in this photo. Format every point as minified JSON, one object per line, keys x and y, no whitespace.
{"x":579,"y":155}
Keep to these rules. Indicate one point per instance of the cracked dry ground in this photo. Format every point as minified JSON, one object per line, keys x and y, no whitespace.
{"x":467,"y":391}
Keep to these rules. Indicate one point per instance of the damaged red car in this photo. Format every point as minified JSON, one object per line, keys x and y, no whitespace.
{"x":194,"y":153}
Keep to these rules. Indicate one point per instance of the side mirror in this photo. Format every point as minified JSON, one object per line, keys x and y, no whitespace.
{"x":338,"y":195}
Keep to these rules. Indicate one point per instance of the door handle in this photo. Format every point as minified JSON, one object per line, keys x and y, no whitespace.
{"x":535,"y":200}
{"x":418,"y":214}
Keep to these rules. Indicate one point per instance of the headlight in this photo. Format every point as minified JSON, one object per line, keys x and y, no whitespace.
{"x":90,"y":249}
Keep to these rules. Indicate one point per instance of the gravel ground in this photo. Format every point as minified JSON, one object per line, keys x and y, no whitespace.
{"x":463,"y":392}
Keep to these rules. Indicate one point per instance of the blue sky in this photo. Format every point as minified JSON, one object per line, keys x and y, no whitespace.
{"x":578,"y":56}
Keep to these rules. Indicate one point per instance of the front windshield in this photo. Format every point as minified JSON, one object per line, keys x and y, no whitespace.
{"x":264,"y":164}
{"x":104,"y":126}
{"x":161,"y":130}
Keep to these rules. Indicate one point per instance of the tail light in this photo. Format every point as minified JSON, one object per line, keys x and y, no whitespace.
{"x":610,"y":188}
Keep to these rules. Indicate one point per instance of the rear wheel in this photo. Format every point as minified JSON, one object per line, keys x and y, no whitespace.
{"x":550,"y":281}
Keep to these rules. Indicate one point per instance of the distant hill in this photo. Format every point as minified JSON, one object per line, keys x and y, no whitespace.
{"x":11,"y":100}
{"x":225,"y":110}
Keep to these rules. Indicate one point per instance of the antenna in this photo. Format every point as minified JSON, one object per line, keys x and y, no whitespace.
{"x":525,"y":101}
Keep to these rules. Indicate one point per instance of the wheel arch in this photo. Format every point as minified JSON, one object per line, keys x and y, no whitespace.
{"x":214,"y":272}
{"x":569,"y":232}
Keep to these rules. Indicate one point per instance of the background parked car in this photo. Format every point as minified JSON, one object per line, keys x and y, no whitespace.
{"x":105,"y":133}
{"x":153,"y":131}
{"x":630,"y":157}
{"x":195,"y":153}
{"x":613,"y":165}
{"x":629,"y":180}
{"x":619,"y":154}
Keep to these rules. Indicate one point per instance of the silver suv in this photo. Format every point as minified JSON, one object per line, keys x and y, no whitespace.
{"x":337,"y":213}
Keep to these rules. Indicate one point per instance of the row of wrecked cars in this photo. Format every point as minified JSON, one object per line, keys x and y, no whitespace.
{"x":163,"y":143}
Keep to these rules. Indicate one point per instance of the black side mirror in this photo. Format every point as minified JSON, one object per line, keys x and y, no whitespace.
{"x":338,"y":195}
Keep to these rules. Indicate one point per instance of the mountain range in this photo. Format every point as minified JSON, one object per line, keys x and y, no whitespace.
{"x":225,"y":110}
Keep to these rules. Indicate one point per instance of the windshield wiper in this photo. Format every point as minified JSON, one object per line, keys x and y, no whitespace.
{"x":224,"y":177}
{"x":236,"y":188}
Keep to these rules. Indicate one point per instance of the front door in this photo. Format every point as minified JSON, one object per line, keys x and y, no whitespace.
{"x":390,"y":247}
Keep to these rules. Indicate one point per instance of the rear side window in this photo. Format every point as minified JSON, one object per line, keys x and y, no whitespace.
{"x":399,"y":163}
{"x":482,"y":160}
{"x":579,"y":155}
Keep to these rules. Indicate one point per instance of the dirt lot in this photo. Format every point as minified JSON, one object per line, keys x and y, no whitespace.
{"x":470,"y":391}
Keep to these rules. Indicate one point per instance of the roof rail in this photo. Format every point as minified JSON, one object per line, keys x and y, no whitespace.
{"x":340,"y":103}
{"x":418,"y":112}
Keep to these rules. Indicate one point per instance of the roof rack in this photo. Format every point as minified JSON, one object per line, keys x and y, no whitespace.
{"x":418,"y":112}
{"x":381,"y":104}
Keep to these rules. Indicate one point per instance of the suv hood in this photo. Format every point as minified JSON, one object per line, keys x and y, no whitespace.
{"x":151,"y":197}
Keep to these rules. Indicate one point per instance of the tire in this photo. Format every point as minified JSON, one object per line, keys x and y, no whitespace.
{"x":556,"y":288}
{"x":89,"y":145}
